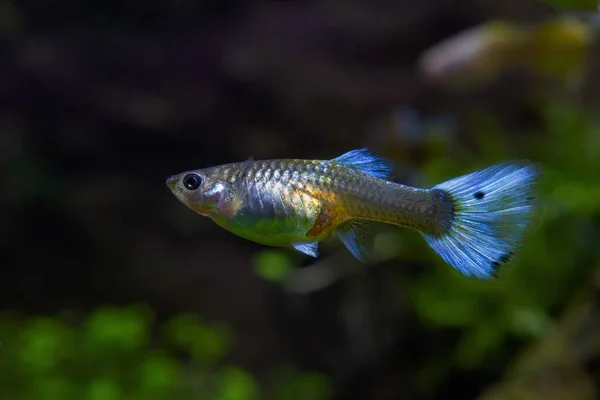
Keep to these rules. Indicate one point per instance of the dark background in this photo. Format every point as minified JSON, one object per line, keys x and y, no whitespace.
{"x":100,"y":101}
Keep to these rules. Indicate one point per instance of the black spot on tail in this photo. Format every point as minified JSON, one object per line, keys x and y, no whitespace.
{"x":479,"y":195}
{"x":504,"y":258}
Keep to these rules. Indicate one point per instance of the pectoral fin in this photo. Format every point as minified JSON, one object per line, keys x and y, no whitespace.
{"x":310,"y":249}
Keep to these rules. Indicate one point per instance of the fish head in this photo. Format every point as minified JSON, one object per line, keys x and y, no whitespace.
{"x":205,"y":192}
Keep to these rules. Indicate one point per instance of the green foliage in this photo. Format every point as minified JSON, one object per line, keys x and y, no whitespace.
{"x":206,"y":344}
{"x":272,"y":265}
{"x":582,"y":5}
{"x":112,"y":354}
{"x":292,"y":385}
{"x":237,"y":384}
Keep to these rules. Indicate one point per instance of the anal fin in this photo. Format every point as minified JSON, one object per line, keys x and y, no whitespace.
{"x":355,"y":236}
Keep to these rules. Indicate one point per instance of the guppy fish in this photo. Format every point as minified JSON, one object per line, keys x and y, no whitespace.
{"x":475,"y":222}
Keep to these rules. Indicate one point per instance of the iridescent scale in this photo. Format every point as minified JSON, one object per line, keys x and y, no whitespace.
{"x":283,"y":198}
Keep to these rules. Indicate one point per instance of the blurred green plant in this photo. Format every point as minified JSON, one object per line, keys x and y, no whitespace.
{"x":273,"y":265}
{"x":114,"y":354}
{"x":581,"y":5}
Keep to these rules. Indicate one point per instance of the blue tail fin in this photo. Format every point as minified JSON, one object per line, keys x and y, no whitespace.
{"x":492,"y":209}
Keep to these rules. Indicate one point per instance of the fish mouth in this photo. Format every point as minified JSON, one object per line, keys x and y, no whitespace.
{"x":172,"y":182}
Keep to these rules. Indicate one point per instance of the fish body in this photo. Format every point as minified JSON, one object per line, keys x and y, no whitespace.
{"x":299,"y":203}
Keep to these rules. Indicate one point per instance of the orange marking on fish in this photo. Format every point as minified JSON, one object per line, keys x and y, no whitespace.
{"x":323,"y":221}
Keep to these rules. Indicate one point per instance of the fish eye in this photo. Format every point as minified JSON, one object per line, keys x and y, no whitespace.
{"x":192,"y":181}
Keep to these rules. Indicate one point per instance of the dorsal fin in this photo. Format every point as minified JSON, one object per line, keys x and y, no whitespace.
{"x":364,"y":161}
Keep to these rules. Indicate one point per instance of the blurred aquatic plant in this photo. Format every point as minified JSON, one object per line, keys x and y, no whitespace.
{"x":273,"y":265}
{"x":556,"y":49}
{"x":113,"y":354}
{"x":582,"y":5}
{"x":558,"y":366}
